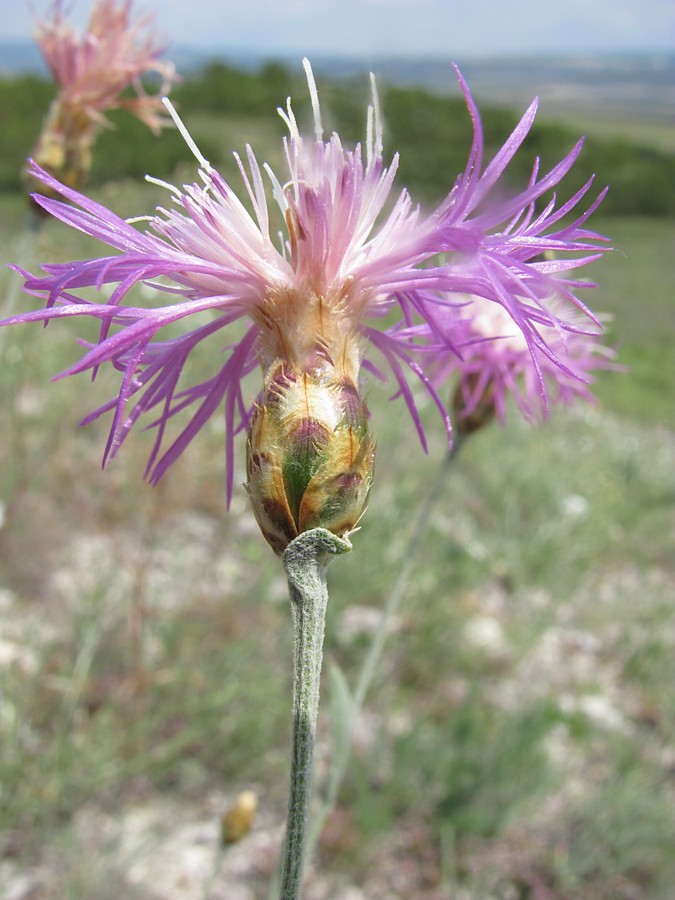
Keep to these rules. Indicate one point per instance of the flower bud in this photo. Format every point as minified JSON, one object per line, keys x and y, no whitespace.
{"x":309,"y":455}
{"x":472,"y":413}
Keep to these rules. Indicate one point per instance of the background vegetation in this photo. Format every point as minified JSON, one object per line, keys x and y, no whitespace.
{"x":430,"y":132}
{"x":520,"y":738}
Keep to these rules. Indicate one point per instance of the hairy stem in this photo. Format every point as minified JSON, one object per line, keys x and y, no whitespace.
{"x":305,"y":561}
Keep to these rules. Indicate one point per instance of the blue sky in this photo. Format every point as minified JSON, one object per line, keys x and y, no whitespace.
{"x":393,"y":27}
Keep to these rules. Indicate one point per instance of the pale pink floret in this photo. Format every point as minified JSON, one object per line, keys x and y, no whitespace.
{"x":496,"y":363}
{"x":349,"y":238}
{"x":93,"y":69}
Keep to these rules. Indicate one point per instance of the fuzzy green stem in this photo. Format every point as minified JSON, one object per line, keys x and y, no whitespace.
{"x":305,"y":560}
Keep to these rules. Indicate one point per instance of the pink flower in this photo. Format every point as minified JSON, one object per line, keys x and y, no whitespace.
{"x":93,"y":69}
{"x":359,"y":277}
{"x":496,"y":362}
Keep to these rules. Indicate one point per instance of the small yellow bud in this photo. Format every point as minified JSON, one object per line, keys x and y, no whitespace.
{"x":237,"y":821}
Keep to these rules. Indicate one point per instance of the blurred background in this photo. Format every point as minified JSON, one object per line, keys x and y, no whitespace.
{"x":519,"y":740}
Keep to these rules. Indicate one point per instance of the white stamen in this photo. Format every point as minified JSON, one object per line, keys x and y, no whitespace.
{"x":314,"y":94}
{"x":180,"y":125}
{"x":163,"y":184}
{"x":378,"y":116}
{"x":287,"y":121}
{"x":277,"y":190}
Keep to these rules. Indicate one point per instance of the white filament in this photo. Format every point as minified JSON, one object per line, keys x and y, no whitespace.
{"x":314,"y":94}
{"x":180,"y":125}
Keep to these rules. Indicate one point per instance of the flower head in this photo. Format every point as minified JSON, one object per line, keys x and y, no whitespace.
{"x":92,"y":71}
{"x":353,"y":250}
{"x":496,"y":363}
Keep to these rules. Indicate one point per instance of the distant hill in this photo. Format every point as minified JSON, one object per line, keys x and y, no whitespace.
{"x":23,"y":57}
{"x":637,"y":87}
{"x":641,"y":87}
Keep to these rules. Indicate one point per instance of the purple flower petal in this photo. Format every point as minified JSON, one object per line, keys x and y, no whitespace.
{"x":356,"y":252}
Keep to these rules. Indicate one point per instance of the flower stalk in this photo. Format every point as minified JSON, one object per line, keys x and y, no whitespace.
{"x":375,"y":652}
{"x":305,"y":560}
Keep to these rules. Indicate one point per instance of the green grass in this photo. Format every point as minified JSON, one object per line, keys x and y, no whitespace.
{"x":521,"y":729}
{"x":641,"y":133}
{"x":637,"y":287}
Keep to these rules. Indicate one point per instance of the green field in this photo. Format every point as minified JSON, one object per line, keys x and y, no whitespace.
{"x":519,"y":740}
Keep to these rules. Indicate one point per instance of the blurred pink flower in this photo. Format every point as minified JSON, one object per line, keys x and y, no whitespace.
{"x":93,"y":71}
{"x":496,"y":363}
